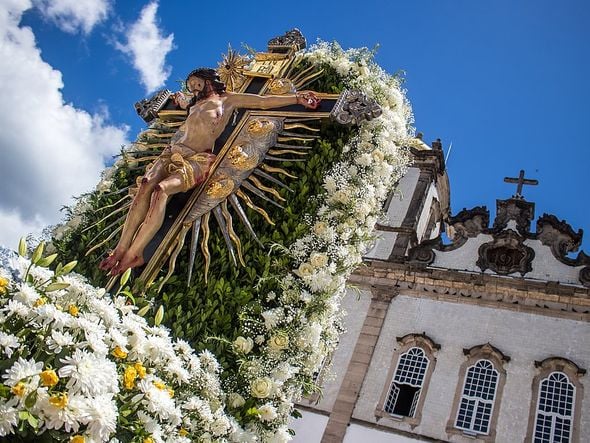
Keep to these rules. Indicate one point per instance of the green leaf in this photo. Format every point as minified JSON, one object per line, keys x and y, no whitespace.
{"x":31,"y":400}
{"x":23,"y":415}
{"x":56,"y":286}
{"x":22,"y":247}
{"x":159,"y":315}
{"x":44,"y":262}
{"x":33,"y":421}
{"x":38,"y":253}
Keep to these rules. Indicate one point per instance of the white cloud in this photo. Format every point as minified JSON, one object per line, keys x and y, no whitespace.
{"x":73,"y":15}
{"x":148,"y":48}
{"x":50,"y":150}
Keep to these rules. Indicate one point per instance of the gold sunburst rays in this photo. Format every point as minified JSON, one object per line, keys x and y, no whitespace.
{"x":231,"y":69}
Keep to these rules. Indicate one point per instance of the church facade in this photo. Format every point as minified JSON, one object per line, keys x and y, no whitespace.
{"x":480,"y":336}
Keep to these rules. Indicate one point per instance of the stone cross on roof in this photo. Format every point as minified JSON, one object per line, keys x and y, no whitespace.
{"x":520,"y":181}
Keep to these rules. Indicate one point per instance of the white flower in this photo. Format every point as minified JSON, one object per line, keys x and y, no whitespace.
{"x":101,"y":418}
{"x":26,"y":295}
{"x":8,"y":418}
{"x":278,"y":341}
{"x":69,"y":417}
{"x":209,"y":361}
{"x":244,"y":345}
{"x":318,"y":260}
{"x":267,"y":412}
{"x":21,"y":370}
{"x":272,"y":317}
{"x":261,"y":387}
{"x":220,"y":426}
{"x":281,"y":436}
{"x":89,"y":374}
{"x":304,"y":270}
{"x":8,"y":343}
{"x":17,"y":308}
{"x":236,"y":400}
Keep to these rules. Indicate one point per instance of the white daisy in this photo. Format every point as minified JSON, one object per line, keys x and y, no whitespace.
{"x":8,"y":343}
{"x":22,"y":369}
{"x":102,"y":416}
{"x":89,"y":374}
{"x":8,"y":418}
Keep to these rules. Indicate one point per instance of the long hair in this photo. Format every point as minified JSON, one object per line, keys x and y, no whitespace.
{"x":212,"y":77}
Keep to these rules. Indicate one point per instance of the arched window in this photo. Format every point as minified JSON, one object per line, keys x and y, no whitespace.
{"x":556,"y":401}
{"x":479,"y":392}
{"x":555,"y":409}
{"x":407,"y":383}
{"x":409,"y":374}
{"x":477,"y":399}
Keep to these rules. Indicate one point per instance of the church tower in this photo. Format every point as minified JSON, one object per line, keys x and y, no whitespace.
{"x":464,"y":330}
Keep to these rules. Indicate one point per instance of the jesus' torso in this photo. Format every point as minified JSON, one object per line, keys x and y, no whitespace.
{"x":206,"y":121}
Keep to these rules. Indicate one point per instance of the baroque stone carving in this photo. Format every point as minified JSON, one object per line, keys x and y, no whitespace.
{"x":291,"y":39}
{"x":353,"y":107}
{"x":558,"y":235}
{"x":469,"y":222}
{"x":518,"y":210}
{"x":148,"y":109}
{"x":506,"y":254}
{"x":584,"y":276}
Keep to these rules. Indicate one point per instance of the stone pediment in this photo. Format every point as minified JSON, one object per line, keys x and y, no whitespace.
{"x":506,"y":254}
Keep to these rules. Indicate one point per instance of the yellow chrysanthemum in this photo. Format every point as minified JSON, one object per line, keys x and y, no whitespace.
{"x":18,"y":389}
{"x":59,"y":400}
{"x":129,"y":377}
{"x":73,"y":309}
{"x":3,"y":285}
{"x":78,"y":439}
{"x":49,"y":378}
{"x":119,"y":352}
{"x":141,"y":371}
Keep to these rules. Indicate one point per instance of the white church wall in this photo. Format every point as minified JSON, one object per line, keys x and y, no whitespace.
{"x":525,"y":338}
{"x":383,"y":245}
{"x":400,"y":201}
{"x":356,"y":305}
{"x":547,"y":267}
{"x":357,"y":433}
{"x":462,"y":258}
{"x":309,"y":428}
{"x":425,"y":214}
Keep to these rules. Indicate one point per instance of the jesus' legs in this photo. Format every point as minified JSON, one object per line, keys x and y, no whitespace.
{"x":137,"y":213}
{"x":133,"y":256}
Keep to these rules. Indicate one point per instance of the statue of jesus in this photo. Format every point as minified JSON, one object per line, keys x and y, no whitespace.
{"x":186,"y":162}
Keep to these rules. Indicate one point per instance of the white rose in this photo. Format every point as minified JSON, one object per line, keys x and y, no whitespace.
{"x":261,"y":387}
{"x":279,"y":341}
{"x":304,"y":270}
{"x":318,"y":260}
{"x":320,"y":228}
{"x":244,"y":345}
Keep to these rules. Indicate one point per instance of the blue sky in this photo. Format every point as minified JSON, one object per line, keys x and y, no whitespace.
{"x":505,"y":82}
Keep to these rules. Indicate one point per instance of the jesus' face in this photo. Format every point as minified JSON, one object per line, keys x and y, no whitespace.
{"x":195,"y":85}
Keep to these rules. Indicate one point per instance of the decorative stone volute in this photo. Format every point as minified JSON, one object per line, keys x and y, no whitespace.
{"x":469,"y":223}
{"x":558,"y":235}
{"x":521,"y":211}
{"x":506,"y":254}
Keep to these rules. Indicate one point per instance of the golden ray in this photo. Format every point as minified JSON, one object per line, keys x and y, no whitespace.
{"x":293,"y":138}
{"x":231,"y":69}
{"x":105,"y":241}
{"x":230,"y":230}
{"x":260,"y":186}
{"x":252,"y":206}
{"x":307,"y":80}
{"x":204,"y":246}
{"x":285,"y":151}
{"x":112,"y":204}
{"x":116,"y":222}
{"x":122,"y":208}
{"x":276,"y":170}
{"x":302,"y":74}
{"x":174,"y":256}
{"x":300,"y":125}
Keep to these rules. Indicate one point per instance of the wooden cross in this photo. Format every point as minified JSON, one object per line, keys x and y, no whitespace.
{"x":520,"y":181}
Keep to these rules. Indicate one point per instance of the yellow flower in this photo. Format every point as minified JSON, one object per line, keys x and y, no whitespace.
{"x":49,"y":378}
{"x":73,"y":309}
{"x":183,"y":432}
{"x":148,"y":440}
{"x":39,"y":302}
{"x":170,"y":392}
{"x":141,"y":371}
{"x":3,"y":285}
{"x":119,"y":352}
{"x":18,"y":389}
{"x":78,"y":439}
{"x":129,"y":377}
{"x":59,"y":400}
{"x":161,"y":386}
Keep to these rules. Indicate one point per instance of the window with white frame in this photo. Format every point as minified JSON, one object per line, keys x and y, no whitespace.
{"x":477,"y":398}
{"x":555,"y":409}
{"x":407,"y":383}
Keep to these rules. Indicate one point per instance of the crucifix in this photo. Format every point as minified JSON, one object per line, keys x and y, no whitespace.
{"x":245,"y":151}
{"x":520,"y":181}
